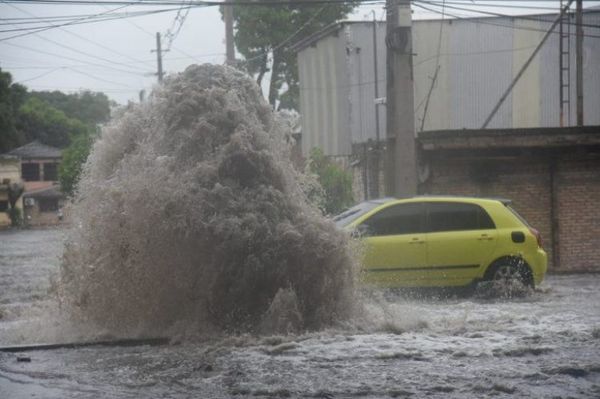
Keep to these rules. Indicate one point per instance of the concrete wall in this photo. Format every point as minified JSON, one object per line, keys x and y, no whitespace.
{"x":35,"y":218}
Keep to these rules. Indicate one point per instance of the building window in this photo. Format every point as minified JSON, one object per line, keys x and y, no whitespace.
{"x":48,"y":204}
{"x":3,"y":206}
{"x":30,"y":171}
{"x":50,"y":172}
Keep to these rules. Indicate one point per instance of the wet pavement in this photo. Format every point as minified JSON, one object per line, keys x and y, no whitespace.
{"x":546,"y":345}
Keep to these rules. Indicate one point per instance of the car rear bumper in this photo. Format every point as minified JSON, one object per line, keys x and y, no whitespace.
{"x":539,"y":265}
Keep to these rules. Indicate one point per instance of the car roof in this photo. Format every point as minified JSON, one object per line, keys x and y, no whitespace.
{"x":436,"y":198}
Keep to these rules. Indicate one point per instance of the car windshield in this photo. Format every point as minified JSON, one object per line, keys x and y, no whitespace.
{"x":350,"y":215}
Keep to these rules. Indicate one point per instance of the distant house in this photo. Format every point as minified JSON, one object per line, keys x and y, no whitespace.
{"x":10,"y":172}
{"x":42,"y":199}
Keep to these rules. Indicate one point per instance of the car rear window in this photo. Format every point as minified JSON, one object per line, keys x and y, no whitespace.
{"x":514,"y":212}
{"x":456,"y":216}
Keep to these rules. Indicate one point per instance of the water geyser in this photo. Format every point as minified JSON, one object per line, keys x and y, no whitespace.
{"x":190,"y":212}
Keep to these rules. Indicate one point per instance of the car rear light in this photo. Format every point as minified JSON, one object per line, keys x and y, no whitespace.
{"x":537,"y":235}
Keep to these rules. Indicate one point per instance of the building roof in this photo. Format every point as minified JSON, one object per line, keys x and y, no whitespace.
{"x":8,"y":158}
{"x":49,"y":192}
{"x":541,"y":137}
{"x":35,"y":149}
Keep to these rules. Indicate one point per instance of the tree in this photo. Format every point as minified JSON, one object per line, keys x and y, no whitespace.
{"x":12,"y":96}
{"x":336,"y":182}
{"x":91,"y":108}
{"x":73,"y":159}
{"x":15,"y":190}
{"x":37,"y":120}
{"x":264,"y":33}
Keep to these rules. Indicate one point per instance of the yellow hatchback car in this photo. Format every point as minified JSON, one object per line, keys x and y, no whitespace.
{"x":444,"y":242}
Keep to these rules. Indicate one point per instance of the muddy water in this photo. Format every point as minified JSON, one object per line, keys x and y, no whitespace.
{"x":547,"y":345}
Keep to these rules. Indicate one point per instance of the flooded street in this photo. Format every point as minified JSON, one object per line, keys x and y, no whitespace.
{"x":546,"y":345}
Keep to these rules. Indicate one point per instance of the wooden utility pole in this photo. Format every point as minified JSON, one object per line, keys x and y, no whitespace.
{"x":401,"y":165}
{"x":159,"y":51}
{"x":579,"y":60}
{"x":229,"y":46}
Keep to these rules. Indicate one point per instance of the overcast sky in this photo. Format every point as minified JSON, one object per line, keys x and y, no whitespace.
{"x":114,"y":56}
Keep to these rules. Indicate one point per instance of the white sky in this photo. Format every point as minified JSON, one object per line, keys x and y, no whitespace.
{"x":62,"y":58}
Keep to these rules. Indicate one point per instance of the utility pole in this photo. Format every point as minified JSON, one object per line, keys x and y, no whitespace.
{"x":376,"y":162}
{"x":579,"y":59}
{"x":230,"y":49}
{"x":159,"y":52}
{"x":401,"y":168}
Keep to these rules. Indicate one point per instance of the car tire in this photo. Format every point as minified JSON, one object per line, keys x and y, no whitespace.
{"x":505,"y":275}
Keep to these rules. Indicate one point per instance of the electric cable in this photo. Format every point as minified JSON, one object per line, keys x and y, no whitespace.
{"x":495,"y":14}
{"x":486,"y":21}
{"x":81,"y":37}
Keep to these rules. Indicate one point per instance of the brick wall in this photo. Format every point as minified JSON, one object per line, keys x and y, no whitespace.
{"x":527,"y":182}
{"x":578,"y":197}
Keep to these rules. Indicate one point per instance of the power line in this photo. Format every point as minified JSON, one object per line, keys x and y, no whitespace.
{"x":510,"y":50}
{"x":177,"y":24}
{"x":68,"y":58}
{"x":67,"y":88}
{"x":81,"y":37}
{"x":152,"y":35}
{"x":74,"y":49}
{"x":85,"y":64}
{"x":100,"y":79}
{"x":495,"y":14}
{"x":38,"y":76}
{"x":287,"y":39}
{"x":486,"y":21}
{"x":52,"y":26}
{"x":250,"y":3}
{"x":513,"y":6}
{"x":103,"y":18}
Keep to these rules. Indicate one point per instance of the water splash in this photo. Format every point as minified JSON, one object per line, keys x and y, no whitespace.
{"x":189,"y":213}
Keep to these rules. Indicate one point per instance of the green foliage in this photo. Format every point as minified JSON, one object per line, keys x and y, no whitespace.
{"x":11,"y":97}
{"x":73,"y":159}
{"x":16,"y":217}
{"x":61,"y":120}
{"x":263,"y":34}
{"x":336,"y":182}
{"x":89,"y":107}
{"x":15,"y":190}
{"x":40,"y":121}
{"x":54,"y":118}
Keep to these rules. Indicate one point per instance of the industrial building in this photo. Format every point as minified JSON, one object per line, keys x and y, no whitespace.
{"x":478,"y":58}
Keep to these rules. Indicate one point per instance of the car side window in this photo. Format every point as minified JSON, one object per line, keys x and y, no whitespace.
{"x":456,"y":216}
{"x":394,"y":220}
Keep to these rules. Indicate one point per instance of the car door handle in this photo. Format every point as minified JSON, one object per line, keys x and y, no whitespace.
{"x":485,"y":237}
{"x":417,"y":241}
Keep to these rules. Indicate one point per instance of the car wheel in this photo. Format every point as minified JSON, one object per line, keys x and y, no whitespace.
{"x":510,"y":277}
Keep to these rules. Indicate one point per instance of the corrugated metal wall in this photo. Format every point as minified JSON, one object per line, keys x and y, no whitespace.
{"x":478,"y":60}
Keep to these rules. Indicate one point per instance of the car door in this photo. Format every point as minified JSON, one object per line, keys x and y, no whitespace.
{"x":395,"y":245}
{"x":461,"y":236}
